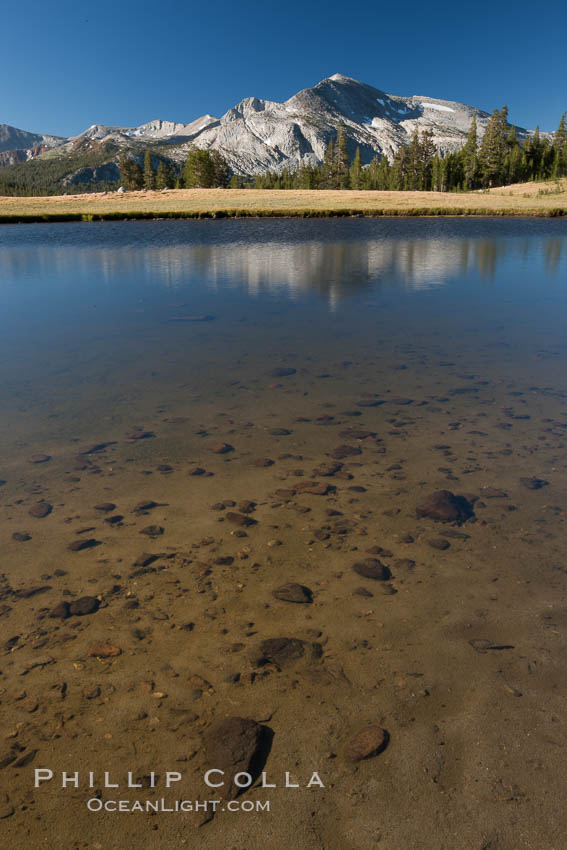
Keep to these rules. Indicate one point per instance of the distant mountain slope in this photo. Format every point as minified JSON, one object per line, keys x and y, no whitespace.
{"x":13,"y":139}
{"x":258,"y":135}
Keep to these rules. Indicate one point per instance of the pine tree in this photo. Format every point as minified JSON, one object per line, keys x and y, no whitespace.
{"x":356,"y":171}
{"x":328,"y":176}
{"x":427,"y":153}
{"x":400,"y":168}
{"x":149,"y":174}
{"x":493,"y":148}
{"x":164,"y":179}
{"x":470,"y":157}
{"x":199,"y":170}
{"x":127,"y":172}
{"x":342,"y":159}
{"x":560,"y":148}
{"x":220,"y":170}
{"x":137,"y":180}
{"x":412,"y":177}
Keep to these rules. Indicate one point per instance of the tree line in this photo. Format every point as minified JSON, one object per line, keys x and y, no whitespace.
{"x":203,"y":169}
{"x":498,"y":159}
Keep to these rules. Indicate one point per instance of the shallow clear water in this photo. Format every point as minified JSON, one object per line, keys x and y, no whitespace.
{"x":87,"y":312}
{"x":129,"y":353}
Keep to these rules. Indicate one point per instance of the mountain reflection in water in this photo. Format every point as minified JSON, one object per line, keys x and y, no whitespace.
{"x":271,"y":262}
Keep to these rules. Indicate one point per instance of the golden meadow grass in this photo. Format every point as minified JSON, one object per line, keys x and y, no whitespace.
{"x":531,"y":199}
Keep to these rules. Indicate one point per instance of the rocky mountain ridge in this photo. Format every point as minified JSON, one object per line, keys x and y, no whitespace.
{"x":258,"y":135}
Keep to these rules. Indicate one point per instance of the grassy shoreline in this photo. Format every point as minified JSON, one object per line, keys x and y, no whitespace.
{"x":532,"y":200}
{"x":223,"y":214}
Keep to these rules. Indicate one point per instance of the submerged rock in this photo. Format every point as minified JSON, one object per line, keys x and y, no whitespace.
{"x":79,"y":545}
{"x":534,"y":483}
{"x":105,"y":507}
{"x":39,"y":458}
{"x":104,"y":649}
{"x":21,"y":536}
{"x":367,"y":743}
{"x":282,"y":372}
{"x":282,"y":651}
{"x":61,"y":611}
{"x":340,"y":452}
{"x":240,"y":519}
{"x":152,"y":530}
{"x":236,"y":745}
{"x":372,"y":568}
{"x":84,"y":605}
{"x":293,"y":592}
{"x":144,"y":506}
{"x":40,"y":510}
{"x":438,"y":543}
{"x":264,"y":461}
{"x":221,"y":448}
{"x":444,"y":506}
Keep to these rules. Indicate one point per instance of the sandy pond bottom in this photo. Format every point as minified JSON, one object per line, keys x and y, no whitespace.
{"x":217,"y":410}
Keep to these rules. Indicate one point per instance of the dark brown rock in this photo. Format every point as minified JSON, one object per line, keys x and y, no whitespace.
{"x":444,"y":506}
{"x":152,"y":530}
{"x":140,"y":434}
{"x":221,"y":448}
{"x":280,"y":651}
{"x":61,"y":611}
{"x":285,"y":493}
{"x":104,"y":649}
{"x":282,"y":372}
{"x":293,"y":593}
{"x":39,"y":458}
{"x":116,"y":519}
{"x":263,"y":461}
{"x":316,"y":488}
{"x":144,"y":506}
{"x":94,"y":448}
{"x":280,"y":432}
{"x":404,"y":564}
{"x":84,"y":605}
{"x":79,"y":545}
{"x":240,"y":519}
{"x":246,"y":506}
{"x":28,"y":592}
{"x":326,"y":470}
{"x":105,"y":507}
{"x":21,"y":536}
{"x":144,"y":560}
{"x":196,"y":470}
{"x":455,"y":534}
{"x":438,"y":543}
{"x":40,"y":510}
{"x":367,"y":743}
{"x":372,"y":568}
{"x":235,"y":745}
{"x":341,"y":452}
{"x":493,"y":493}
{"x":534,"y":483}
{"x":356,"y":434}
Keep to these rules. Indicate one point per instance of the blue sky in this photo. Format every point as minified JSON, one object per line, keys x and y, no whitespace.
{"x":71,"y":64}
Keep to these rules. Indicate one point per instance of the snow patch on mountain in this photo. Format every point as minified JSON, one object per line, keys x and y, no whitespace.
{"x":437,"y":106}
